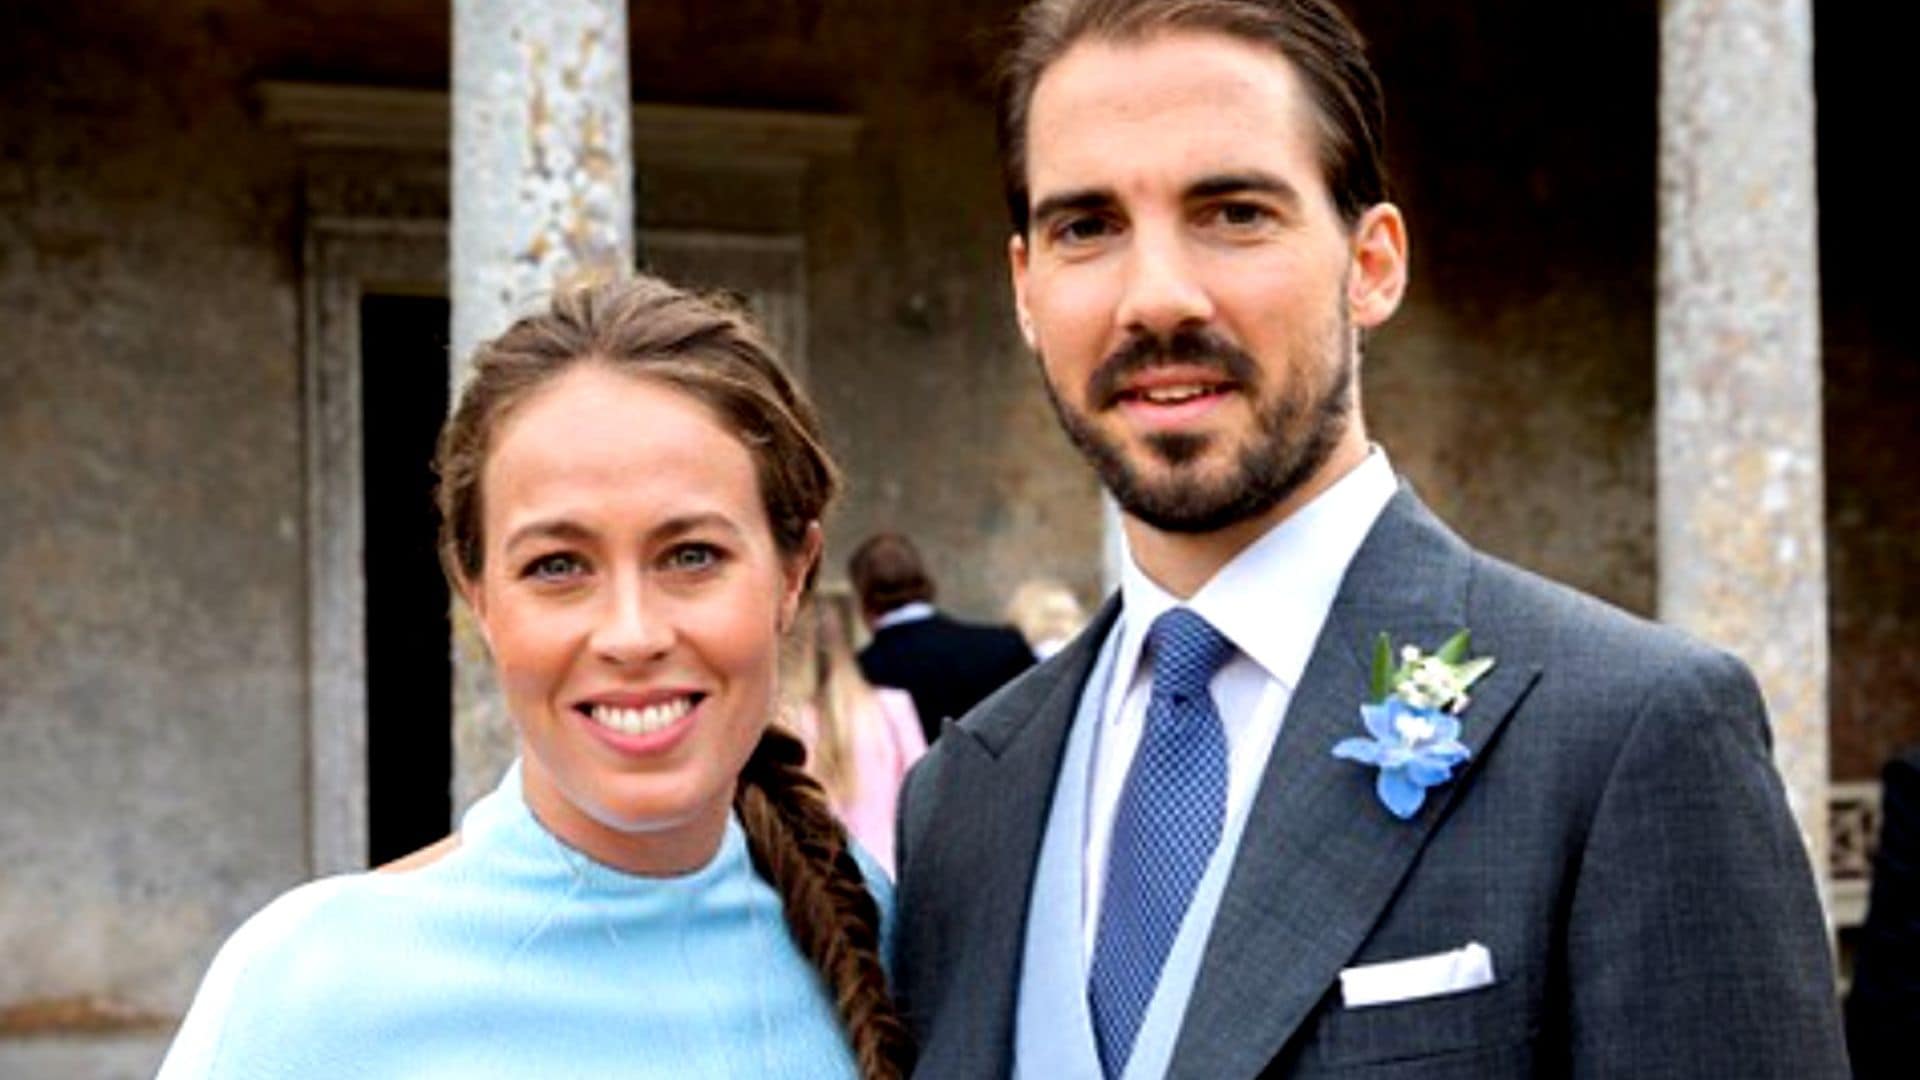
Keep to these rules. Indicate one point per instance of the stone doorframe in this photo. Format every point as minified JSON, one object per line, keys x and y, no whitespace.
{"x":374,"y":175}
{"x":345,"y":259}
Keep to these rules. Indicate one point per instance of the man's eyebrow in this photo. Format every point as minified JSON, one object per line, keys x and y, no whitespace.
{"x":1083,"y":200}
{"x":1212,"y":187}
{"x":1208,"y":187}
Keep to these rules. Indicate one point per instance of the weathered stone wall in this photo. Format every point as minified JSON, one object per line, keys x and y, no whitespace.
{"x":1516,"y":386}
{"x":149,"y":479}
{"x":152,"y":765}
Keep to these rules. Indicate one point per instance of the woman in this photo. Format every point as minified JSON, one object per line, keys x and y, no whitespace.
{"x":861,"y":739}
{"x":630,"y":493}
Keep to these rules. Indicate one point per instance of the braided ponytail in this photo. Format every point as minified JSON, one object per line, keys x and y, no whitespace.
{"x":799,"y":846}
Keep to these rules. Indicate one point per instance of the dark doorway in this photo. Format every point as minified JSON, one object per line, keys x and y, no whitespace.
{"x":403,"y":395}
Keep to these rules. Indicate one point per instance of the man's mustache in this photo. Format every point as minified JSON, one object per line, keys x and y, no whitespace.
{"x":1192,"y":346}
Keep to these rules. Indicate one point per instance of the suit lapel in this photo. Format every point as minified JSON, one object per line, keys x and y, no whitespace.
{"x":1320,"y":857}
{"x":1005,"y":764}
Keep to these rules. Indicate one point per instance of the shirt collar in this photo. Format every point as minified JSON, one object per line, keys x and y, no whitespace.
{"x":1272,"y":598}
{"x":905,"y":613}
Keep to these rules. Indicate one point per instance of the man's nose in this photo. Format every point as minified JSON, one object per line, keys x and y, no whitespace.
{"x":633,"y":626}
{"x":1163,"y":290}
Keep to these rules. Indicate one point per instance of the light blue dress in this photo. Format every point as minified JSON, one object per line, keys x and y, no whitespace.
{"x":516,"y":956}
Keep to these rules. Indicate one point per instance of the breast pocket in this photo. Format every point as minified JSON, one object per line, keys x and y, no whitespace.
{"x":1483,"y":1019}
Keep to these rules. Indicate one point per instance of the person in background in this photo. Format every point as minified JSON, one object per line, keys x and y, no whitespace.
{"x":1046,"y":614}
{"x":630,"y":495}
{"x":861,"y":739}
{"x":1883,"y":1006}
{"x":948,"y":665}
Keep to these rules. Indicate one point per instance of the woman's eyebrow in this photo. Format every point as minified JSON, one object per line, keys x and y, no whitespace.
{"x":566,"y":529}
{"x":686,"y":523}
{"x":547,"y":529}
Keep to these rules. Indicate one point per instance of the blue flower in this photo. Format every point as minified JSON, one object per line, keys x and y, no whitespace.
{"x":1414,"y":748}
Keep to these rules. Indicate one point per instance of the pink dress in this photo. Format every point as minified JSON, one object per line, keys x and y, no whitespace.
{"x":886,"y":742}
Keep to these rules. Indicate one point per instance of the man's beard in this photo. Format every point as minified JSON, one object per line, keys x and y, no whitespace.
{"x":1290,"y":440}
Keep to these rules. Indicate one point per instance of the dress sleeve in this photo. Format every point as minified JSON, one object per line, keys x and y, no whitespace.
{"x":196,"y":1052}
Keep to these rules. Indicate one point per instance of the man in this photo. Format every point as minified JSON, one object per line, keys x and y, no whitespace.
{"x":946,"y":665}
{"x":1884,"y":1003}
{"x":1180,"y":847}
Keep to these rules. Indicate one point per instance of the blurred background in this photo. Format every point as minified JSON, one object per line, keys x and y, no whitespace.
{"x":224,"y":354}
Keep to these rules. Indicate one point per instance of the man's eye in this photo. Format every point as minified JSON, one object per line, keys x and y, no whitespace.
{"x":693,"y":557}
{"x":556,"y":567}
{"x":1242,"y":214}
{"x":1080,"y":229}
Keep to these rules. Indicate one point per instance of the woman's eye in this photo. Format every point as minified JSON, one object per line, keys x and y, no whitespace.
{"x":693,"y":557}
{"x":556,"y":567}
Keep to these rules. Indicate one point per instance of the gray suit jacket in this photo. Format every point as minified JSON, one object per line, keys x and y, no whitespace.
{"x":1620,"y":842}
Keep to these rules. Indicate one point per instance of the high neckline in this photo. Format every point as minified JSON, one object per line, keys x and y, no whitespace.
{"x":502,"y":825}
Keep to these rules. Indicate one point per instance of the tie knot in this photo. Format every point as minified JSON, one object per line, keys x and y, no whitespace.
{"x":1187,"y":650}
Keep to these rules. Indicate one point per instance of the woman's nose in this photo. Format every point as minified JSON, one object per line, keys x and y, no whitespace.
{"x":632,"y":627}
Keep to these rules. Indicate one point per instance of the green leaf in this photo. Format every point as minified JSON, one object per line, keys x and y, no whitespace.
{"x":1382,"y":681}
{"x":1471,"y":671}
{"x":1455,"y":650}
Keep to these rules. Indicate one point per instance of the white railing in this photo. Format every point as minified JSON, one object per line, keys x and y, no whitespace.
{"x":1853,"y":831}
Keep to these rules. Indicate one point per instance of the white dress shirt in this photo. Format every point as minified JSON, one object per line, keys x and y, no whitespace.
{"x":912,"y":611}
{"x":1270,"y":601}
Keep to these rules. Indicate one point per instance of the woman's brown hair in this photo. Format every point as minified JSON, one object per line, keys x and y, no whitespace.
{"x":711,"y":351}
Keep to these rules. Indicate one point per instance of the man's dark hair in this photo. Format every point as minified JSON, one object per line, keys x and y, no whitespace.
{"x":1323,"y":46}
{"x":887,"y":572}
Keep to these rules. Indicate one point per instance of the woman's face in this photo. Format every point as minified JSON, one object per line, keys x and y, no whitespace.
{"x":633,"y":598}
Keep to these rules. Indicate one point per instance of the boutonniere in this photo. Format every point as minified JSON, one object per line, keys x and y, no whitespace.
{"x":1413,"y":720}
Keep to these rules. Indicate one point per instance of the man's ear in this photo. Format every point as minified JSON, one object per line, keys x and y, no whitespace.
{"x":1017,"y":269}
{"x":1379,"y":272}
{"x":800,"y":570}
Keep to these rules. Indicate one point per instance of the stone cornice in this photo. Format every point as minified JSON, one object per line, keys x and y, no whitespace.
{"x":332,"y":117}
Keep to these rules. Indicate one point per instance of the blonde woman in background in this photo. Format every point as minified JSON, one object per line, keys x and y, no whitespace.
{"x":1047,"y":615}
{"x":861,"y":738}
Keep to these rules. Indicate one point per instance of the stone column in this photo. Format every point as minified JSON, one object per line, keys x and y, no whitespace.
{"x":542,"y":192}
{"x":1742,"y":514}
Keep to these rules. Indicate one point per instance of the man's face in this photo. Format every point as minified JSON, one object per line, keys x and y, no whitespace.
{"x":1188,"y":286}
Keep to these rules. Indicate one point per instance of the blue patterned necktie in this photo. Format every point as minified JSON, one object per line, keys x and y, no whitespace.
{"x":1164,"y":830}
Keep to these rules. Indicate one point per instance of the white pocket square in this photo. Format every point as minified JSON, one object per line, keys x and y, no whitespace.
{"x":1468,"y":967}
